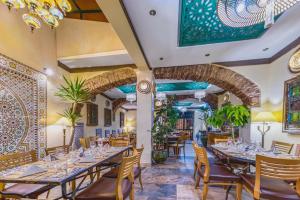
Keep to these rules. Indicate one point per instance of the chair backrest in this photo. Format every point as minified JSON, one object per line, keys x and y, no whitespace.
{"x":138,"y":153}
{"x":84,"y":142}
{"x":297,"y":152}
{"x":282,"y":147}
{"x":119,"y":143}
{"x":53,"y":150}
{"x":220,"y":140}
{"x":276,"y":168}
{"x":202,"y":159}
{"x":125,"y":171}
{"x":17,"y":159}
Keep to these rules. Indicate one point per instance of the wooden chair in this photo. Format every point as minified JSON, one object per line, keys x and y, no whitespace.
{"x":213,"y":174}
{"x":269,"y":182}
{"x":220,"y":140}
{"x":137,"y":170}
{"x":20,"y":190}
{"x":282,"y":147}
{"x":118,"y":142}
{"x":85,"y":143}
{"x":180,"y":144}
{"x":113,"y":188}
{"x":297,"y":152}
{"x":53,"y":150}
{"x":194,"y":145}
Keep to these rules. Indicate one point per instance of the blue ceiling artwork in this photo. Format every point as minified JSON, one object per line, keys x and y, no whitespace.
{"x":200,"y":24}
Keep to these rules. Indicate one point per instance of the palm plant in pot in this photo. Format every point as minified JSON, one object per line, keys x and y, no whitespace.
{"x":75,"y":93}
{"x":230,"y":115}
{"x":165,"y":119}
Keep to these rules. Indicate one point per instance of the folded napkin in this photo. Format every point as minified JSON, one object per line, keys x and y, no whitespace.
{"x":31,"y":170}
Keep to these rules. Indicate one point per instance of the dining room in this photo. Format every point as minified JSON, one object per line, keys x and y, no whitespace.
{"x":150,"y":100}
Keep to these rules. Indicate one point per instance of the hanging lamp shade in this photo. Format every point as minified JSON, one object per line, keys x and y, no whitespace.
{"x":14,"y":4}
{"x":56,"y":13}
{"x":241,"y":13}
{"x":47,"y":4}
{"x":32,"y":21}
{"x":64,"y":5}
{"x":50,"y":20}
{"x":33,"y":4}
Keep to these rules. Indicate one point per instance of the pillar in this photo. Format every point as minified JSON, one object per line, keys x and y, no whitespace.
{"x":145,"y":117}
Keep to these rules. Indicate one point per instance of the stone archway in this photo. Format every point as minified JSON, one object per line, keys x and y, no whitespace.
{"x":222,"y":77}
{"x":111,"y":79}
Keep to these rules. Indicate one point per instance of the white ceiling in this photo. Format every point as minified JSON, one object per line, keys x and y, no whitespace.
{"x":119,"y":57}
{"x":159,"y":36}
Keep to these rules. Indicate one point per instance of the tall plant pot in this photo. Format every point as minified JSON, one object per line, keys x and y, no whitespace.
{"x":159,"y":156}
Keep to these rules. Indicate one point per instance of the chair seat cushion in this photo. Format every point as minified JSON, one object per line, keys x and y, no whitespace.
{"x":26,"y":190}
{"x":220,"y":173}
{"x":104,"y":189}
{"x":271,"y":188}
{"x":114,"y":172}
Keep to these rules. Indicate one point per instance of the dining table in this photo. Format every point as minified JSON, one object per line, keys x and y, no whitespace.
{"x":245,"y":152}
{"x":61,"y":169}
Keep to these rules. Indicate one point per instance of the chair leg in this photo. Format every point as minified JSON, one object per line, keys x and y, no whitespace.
{"x":197,"y":182}
{"x":239,"y":189}
{"x":205,"y":191}
{"x":140,"y":180}
{"x":131,"y":195}
{"x":195,"y":170}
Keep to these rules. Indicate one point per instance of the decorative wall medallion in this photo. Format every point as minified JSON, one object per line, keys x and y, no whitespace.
{"x":144,"y":87}
{"x":294,"y":62}
{"x":22,"y":114}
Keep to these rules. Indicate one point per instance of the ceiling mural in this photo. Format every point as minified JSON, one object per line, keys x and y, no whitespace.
{"x":165,"y":87}
{"x":200,"y":24}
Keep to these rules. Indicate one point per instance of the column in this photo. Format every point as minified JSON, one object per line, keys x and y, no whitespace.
{"x":145,"y":117}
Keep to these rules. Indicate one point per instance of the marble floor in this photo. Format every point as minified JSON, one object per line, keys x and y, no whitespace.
{"x":172,"y":180}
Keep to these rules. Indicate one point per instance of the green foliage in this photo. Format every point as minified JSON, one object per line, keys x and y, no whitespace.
{"x":164,"y":122}
{"x":232,"y":115}
{"x":71,"y":115}
{"x":73,"y":91}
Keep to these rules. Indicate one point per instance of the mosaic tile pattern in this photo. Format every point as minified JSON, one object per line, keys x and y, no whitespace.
{"x":23,"y":107}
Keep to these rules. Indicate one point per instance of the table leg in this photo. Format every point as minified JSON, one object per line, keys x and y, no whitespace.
{"x":64,"y":191}
{"x":227,"y":191}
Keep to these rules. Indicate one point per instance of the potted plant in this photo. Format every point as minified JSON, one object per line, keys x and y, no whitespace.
{"x":164,"y":122}
{"x":75,"y":93}
{"x":230,"y":115}
{"x":206,"y":112}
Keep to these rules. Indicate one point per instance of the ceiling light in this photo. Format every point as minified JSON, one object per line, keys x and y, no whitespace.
{"x":131,"y":97}
{"x":200,"y":94}
{"x":50,"y":11}
{"x":152,"y":12}
{"x":161,"y":58}
{"x":207,"y":54}
{"x":241,"y":13}
{"x":161,"y":96}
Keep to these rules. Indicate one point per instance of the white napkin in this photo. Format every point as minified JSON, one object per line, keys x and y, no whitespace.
{"x":31,"y":170}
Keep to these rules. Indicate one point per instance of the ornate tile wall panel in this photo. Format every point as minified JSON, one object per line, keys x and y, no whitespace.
{"x":23,"y":107}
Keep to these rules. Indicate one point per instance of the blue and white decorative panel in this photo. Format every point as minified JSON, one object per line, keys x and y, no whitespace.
{"x":23,"y":108}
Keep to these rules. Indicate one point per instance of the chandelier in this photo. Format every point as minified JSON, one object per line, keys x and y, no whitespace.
{"x":161,"y":96}
{"x":131,"y":97}
{"x":199,"y":94}
{"x":241,"y":13}
{"x":49,"y":11}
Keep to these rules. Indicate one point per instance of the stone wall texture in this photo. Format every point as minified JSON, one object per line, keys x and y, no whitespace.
{"x":222,"y":77}
{"x":111,"y":79}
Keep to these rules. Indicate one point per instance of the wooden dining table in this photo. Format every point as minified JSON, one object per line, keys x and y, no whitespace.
{"x":245,"y":153}
{"x":63,"y":170}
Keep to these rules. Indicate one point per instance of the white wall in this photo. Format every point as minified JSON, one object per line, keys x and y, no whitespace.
{"x":270,"y":79}
{"x":91,"y":130}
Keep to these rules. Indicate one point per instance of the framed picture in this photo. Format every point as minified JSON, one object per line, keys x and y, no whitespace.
{"x":122,"y":119}
{"x":107,"y":117}
{"x":291,"y":106}
{"x":92,"y":114}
